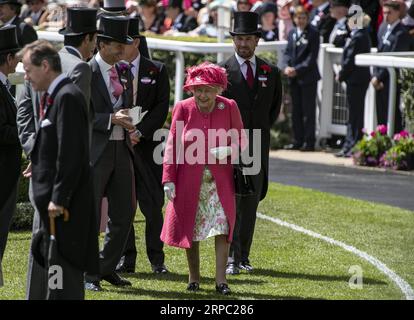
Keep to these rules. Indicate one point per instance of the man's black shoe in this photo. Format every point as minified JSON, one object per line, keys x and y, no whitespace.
{"x":125,"y":269}
{"x":116,"y":280}
{"x":292,"y":146}
{"x":159,"y":268}
{"x":246,"y":266}
{"x":93,"y":286}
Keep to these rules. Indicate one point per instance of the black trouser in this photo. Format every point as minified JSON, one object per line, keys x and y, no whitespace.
{"x":355,"y":103}
{"x":6,"y":215}
{"x":246,"y":209}
{"x":303,"y":112}
{"x":114,"y":177}
{"x":382,"y":106}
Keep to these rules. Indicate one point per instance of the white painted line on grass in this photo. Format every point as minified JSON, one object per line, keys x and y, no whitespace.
{"x":401,"y":283}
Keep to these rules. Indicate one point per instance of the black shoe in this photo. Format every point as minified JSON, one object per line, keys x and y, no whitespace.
{"x":93,"y":286}
{"x":307,"y":148}
{"x":116,"y":280}
{"x":193,"y":286}
{"x":292,"y":146}
{"x":159,"y":268}
{"x":123,"y":268}
{"x":223,"y":289}
{"x":232,"y":269}
{"x":246,"y":266}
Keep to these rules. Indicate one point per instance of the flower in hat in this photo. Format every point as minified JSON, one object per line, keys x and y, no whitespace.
{"x":206,"y":73}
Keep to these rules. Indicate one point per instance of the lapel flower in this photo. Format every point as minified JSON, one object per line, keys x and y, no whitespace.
{"x":265,"y":68}
{"x":123,"y":69}
{"x":49,"y":101}
{"x":153,"y":71}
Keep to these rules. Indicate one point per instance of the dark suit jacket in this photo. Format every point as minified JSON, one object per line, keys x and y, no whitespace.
{"x":10,"y":150}
{"x":360,"y":42}
{"x":261,"y":111}
{"x":398,"y":40}
{"x":342,"y":34}
{"x":325,"y":24}
{"x":153,"y":96}
{"x":102,"y":106}
{"x":302,"y":53}
{"x":61,"y":173}
{"x":25,"y":33}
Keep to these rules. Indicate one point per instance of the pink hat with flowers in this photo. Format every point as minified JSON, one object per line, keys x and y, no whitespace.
{"x":206,"y":74}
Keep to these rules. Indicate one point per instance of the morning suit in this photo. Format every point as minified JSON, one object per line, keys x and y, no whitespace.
{"x":301,"y":53}
{"x":357,"y":80}
{"x":393,"y":40}
{"x":259,"y":108}
{"x":151,"y":90}
{"x":112,"y":161}
{"x":61,"y":173}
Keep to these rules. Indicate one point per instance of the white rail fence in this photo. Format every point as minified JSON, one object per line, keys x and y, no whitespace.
{"x":332,"y":111}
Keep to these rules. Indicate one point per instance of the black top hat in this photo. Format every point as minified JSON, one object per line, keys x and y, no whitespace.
{"x":15,"y":2}
{"x":133,"y":28}
{"x":8,"y":39}
{"x":245,"y":23}
{"x":341,"y":3}
{"x":80,"y":21}
{"x":114,"y":5}
{"x":114,"y":29}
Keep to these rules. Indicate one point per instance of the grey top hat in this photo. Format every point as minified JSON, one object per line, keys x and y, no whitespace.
{"x":245,"y":23}
{"x":80,"y":21}
{"x":114,"y":29}
{"x":8,"y":39}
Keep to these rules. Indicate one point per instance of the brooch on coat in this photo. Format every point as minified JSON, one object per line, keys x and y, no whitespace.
{"x":221,"y":106}
{"x":266,"y":69}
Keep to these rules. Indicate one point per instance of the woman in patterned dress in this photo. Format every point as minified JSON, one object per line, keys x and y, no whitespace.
{"x":206,"y":132}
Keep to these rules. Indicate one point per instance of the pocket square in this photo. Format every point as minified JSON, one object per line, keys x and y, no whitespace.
{"x":45,"y":123}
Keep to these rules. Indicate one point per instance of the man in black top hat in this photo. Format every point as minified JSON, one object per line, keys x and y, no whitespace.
{"x":340,"y":32}
{"x":256,"y":87}
{"x":9,"y":14}
{"x":10,"y":150}
{"x":111,"y":152}
{"x":180,"y":21}
{"x":151,"y":91}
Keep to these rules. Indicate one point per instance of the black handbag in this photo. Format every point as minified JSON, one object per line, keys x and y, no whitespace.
{"x":243,"y":183}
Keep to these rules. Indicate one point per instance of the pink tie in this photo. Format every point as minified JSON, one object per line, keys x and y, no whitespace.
{"x":115,"y":84}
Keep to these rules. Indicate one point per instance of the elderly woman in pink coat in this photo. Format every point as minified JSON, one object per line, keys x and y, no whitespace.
{"x":204,"y":140}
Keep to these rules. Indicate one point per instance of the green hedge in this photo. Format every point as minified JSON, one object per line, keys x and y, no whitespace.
{"x":23,"y":217}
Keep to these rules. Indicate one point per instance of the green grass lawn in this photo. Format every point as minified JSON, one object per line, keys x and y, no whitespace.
{"x":288,"y":264}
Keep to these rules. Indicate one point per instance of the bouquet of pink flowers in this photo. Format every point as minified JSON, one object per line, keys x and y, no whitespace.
{"x":401,"y":155}
{"x":369,"y":150}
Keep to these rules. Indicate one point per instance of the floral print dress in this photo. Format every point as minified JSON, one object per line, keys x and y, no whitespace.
{"x":210,"y":217}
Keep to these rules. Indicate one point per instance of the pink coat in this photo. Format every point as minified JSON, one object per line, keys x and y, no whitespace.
{"x":180,"y":214}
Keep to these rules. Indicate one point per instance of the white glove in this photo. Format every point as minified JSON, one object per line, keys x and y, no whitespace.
{"x":221,"y":153}
{"x":169,"y":189}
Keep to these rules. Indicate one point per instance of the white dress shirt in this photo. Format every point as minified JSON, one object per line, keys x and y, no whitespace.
{"x":243,"y":66}
{"x":55,"y":83}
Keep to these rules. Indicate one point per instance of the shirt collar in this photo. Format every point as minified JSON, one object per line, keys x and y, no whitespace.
{"x":10,"y":21}
{"x":104,"y":66}
{"x":3,"y":78}
{"x":341,"y":21}
{"x":76,"y":50}
{"x":177,"y":20}
{"x":55,"y":83}
{"x":241,"y":60}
